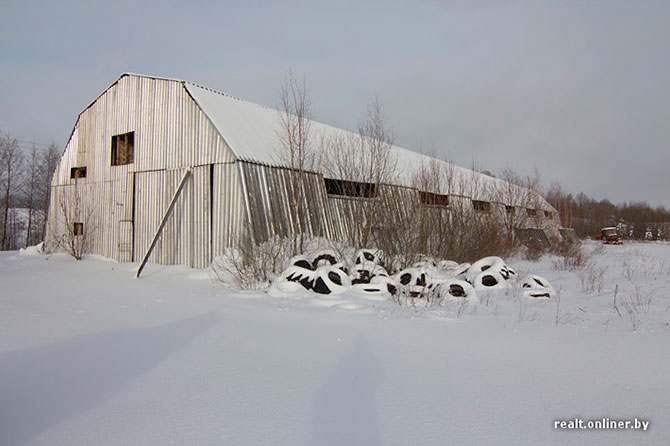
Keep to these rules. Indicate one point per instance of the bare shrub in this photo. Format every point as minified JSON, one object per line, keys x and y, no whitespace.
{"x":533,"y":253}
{"x":409,"y":230}
{"x":614,"y":305}
{"x":432,"y":218}
{"x":635,"y":265}
{"x":597,"y":249}
{"x":638,"y":300}
{"x":628,"y":270}
{"x":635,"y":305}
{"x":74,"y":225}
{"x":570,"y":257}
{"x":592,"y":278}
{"x":252,"y":265}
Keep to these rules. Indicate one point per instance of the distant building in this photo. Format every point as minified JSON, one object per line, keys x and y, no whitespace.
{"x":130,"y":149}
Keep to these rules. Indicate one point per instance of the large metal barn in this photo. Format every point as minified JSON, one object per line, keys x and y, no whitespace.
{"x":134,"y":146}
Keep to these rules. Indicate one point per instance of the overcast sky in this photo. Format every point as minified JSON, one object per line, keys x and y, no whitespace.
{"x":579,"y":90}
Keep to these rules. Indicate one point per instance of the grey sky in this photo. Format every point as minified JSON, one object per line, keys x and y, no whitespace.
{"x":578,"y":89}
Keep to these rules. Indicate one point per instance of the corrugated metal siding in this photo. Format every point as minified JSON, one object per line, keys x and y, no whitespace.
{"x":170,"y":130}
{"x":346,"y":215}
{"x":268,"y":199}
{"x":67,"y":161}
{"x":171,"y":133}
{"x":150,"y":205}
{"x":185,"y":238}
{"x":229,"y":215}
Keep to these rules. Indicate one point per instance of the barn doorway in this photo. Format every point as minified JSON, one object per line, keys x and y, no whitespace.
{"x":125,"y":215}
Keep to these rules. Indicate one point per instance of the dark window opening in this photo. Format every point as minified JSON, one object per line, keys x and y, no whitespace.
{"x":78,"y":229}
{"x":123,"y":149}
{"x":548,"y":214}
{"x":532,"y":212}
{"x":78,"y":172}
{"x":481,"y":206}
{"x":509,"y":209}
{"x":350,"y":188}
{"x":433,"y":199}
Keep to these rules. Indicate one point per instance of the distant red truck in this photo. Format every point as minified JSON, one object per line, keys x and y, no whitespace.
{"x":609,"y":235}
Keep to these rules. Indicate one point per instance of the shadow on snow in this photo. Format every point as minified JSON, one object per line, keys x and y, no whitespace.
{"x":45,"y":385}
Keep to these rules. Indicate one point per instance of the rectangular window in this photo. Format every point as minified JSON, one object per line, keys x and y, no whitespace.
{"x":123,"y":149}
{"x":548,"y":214}
{"x":78,"y":229}
{"x":432,"y":199}
{"x":510,"y":210}
{"x":78,"y":172}
{"x":481,"y":206}
{"x":350,"y":188}
{"x":531,"y":212}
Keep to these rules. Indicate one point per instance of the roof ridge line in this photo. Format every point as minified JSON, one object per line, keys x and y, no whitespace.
{"x":228,"y":95}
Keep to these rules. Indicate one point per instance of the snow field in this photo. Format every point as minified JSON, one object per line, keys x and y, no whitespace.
{"x":90,"y":355}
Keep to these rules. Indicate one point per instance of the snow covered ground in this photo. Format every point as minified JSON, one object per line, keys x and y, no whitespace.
{"x":91,"y":355}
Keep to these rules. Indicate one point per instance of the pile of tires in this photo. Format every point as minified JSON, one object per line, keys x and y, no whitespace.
{"x":489,"y":273}
{"x":537,"y":287}
{"x":326,"y":273}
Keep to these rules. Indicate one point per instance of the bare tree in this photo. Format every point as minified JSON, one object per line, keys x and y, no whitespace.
{"x":47,"y":165}
{"x":74,"y":224}
{"x":31,"y":183}
{"x":562,"y":202}
{"x":516,"y":194}
{"x":295,"y":149}
{"x":434,"y":219}
{"x":379,"y":163}
{"x":367,"y":162}
{"x":11,"y":161}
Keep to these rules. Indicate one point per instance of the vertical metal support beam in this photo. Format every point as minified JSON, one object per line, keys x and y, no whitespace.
{"x":164,"y":220}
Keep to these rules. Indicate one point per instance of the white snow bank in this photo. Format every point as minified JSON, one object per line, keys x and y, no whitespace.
{"x":32,"y":250}
{"x":89,"y":355}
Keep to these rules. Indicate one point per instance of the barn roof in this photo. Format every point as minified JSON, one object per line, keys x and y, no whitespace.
{"x":251,"y":132}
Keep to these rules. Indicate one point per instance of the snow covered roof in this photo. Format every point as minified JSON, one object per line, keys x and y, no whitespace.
{"x":251,"y":130}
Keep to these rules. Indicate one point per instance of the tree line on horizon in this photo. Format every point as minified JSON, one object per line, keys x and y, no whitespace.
{"x":25,"y":183}
{"x":636,"y":220}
